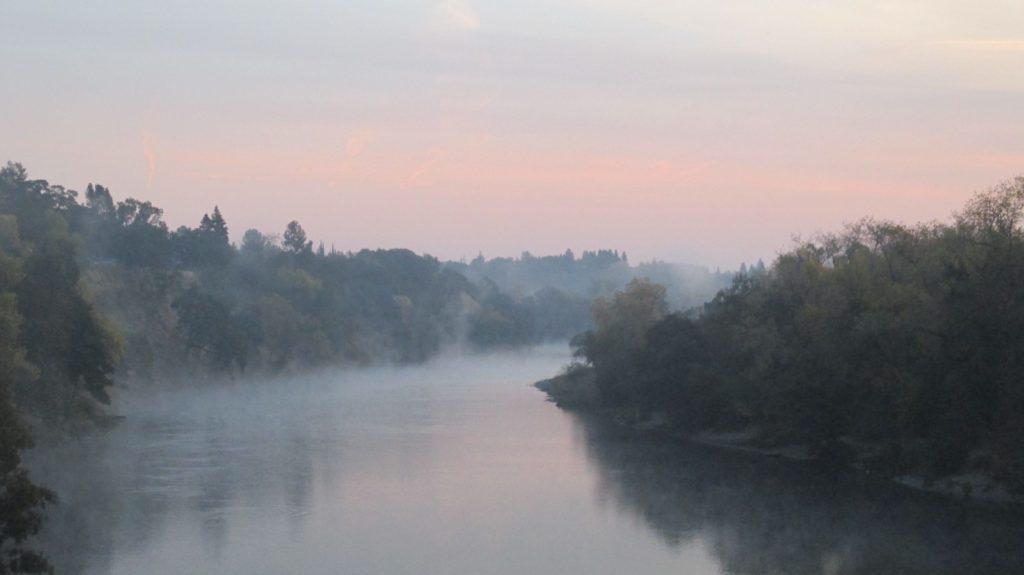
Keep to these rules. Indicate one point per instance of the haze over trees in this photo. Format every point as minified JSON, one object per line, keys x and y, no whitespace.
{"x":102,"y":280}
{"x":107,"y":284}
{"x":93,"y":288}
{"x":543,"y":298}
{"x":594,"y":274}
{"x":895,"y":345}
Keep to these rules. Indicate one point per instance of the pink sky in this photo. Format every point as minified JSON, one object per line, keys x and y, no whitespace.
{"x":702,"y":132}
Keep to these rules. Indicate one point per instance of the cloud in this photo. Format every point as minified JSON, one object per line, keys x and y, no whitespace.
{"x":421,"y":173}
{"x":460,"y":14}
{"x":354,"y":147}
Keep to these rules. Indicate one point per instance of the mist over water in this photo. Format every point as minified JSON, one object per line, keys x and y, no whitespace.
{"x":461,"y":466}
{"x":279,"y":286}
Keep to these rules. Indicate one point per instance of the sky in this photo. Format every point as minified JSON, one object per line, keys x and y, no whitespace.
{"x":701,"y":132}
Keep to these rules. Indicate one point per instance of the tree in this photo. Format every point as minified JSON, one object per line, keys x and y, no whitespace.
{"x":621,"y":324}
{"x":139,"y":237}
{"x":206,"y":246}
{"x":132,"y":212}
{"x":99,"y":200}
{"x":62,"y":334}
{"x":21,"y":501}
{"x":214,"y":226}
{"x":210,"y":330}
{"x":295,"y":239}
{"x":256,"y":243}
{"x":631,"y":311}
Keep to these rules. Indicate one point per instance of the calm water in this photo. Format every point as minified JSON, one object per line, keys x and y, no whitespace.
{"x":461,"y":467}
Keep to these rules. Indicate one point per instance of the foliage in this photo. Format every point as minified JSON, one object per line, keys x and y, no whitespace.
{"x":73,"y":352}
{"x":620,"y":324}
{"x":209,"y":329}
{"x":188,"y":301}
{"x":903,"y":338}
{"x":548,"y":298}
{"x":83,"y":285}
{"x":21,"y":501}
{"x":295,"y":238}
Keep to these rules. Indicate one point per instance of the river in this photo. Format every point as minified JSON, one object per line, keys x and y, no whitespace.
{"x":460,"y":466}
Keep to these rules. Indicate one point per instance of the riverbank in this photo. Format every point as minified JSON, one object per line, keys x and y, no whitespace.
{"x":576,"y":391}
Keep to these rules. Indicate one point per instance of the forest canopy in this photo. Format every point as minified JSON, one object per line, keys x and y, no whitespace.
{"x":898,"y":345}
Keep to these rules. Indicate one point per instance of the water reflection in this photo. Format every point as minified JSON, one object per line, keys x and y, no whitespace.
{"x":371,"y":468}
{"x":760,"y":515}
{"x":462,"y":467}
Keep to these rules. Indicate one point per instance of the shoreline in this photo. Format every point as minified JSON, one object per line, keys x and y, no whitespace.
{"x":970,"y":488}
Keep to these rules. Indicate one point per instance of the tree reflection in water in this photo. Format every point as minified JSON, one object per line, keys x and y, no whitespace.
{"x":761,"y":515}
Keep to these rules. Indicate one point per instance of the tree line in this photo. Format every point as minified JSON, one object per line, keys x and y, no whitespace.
{"x":94,"y":290}
{"x":899,"y":347}
{"x":548,"y":297}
